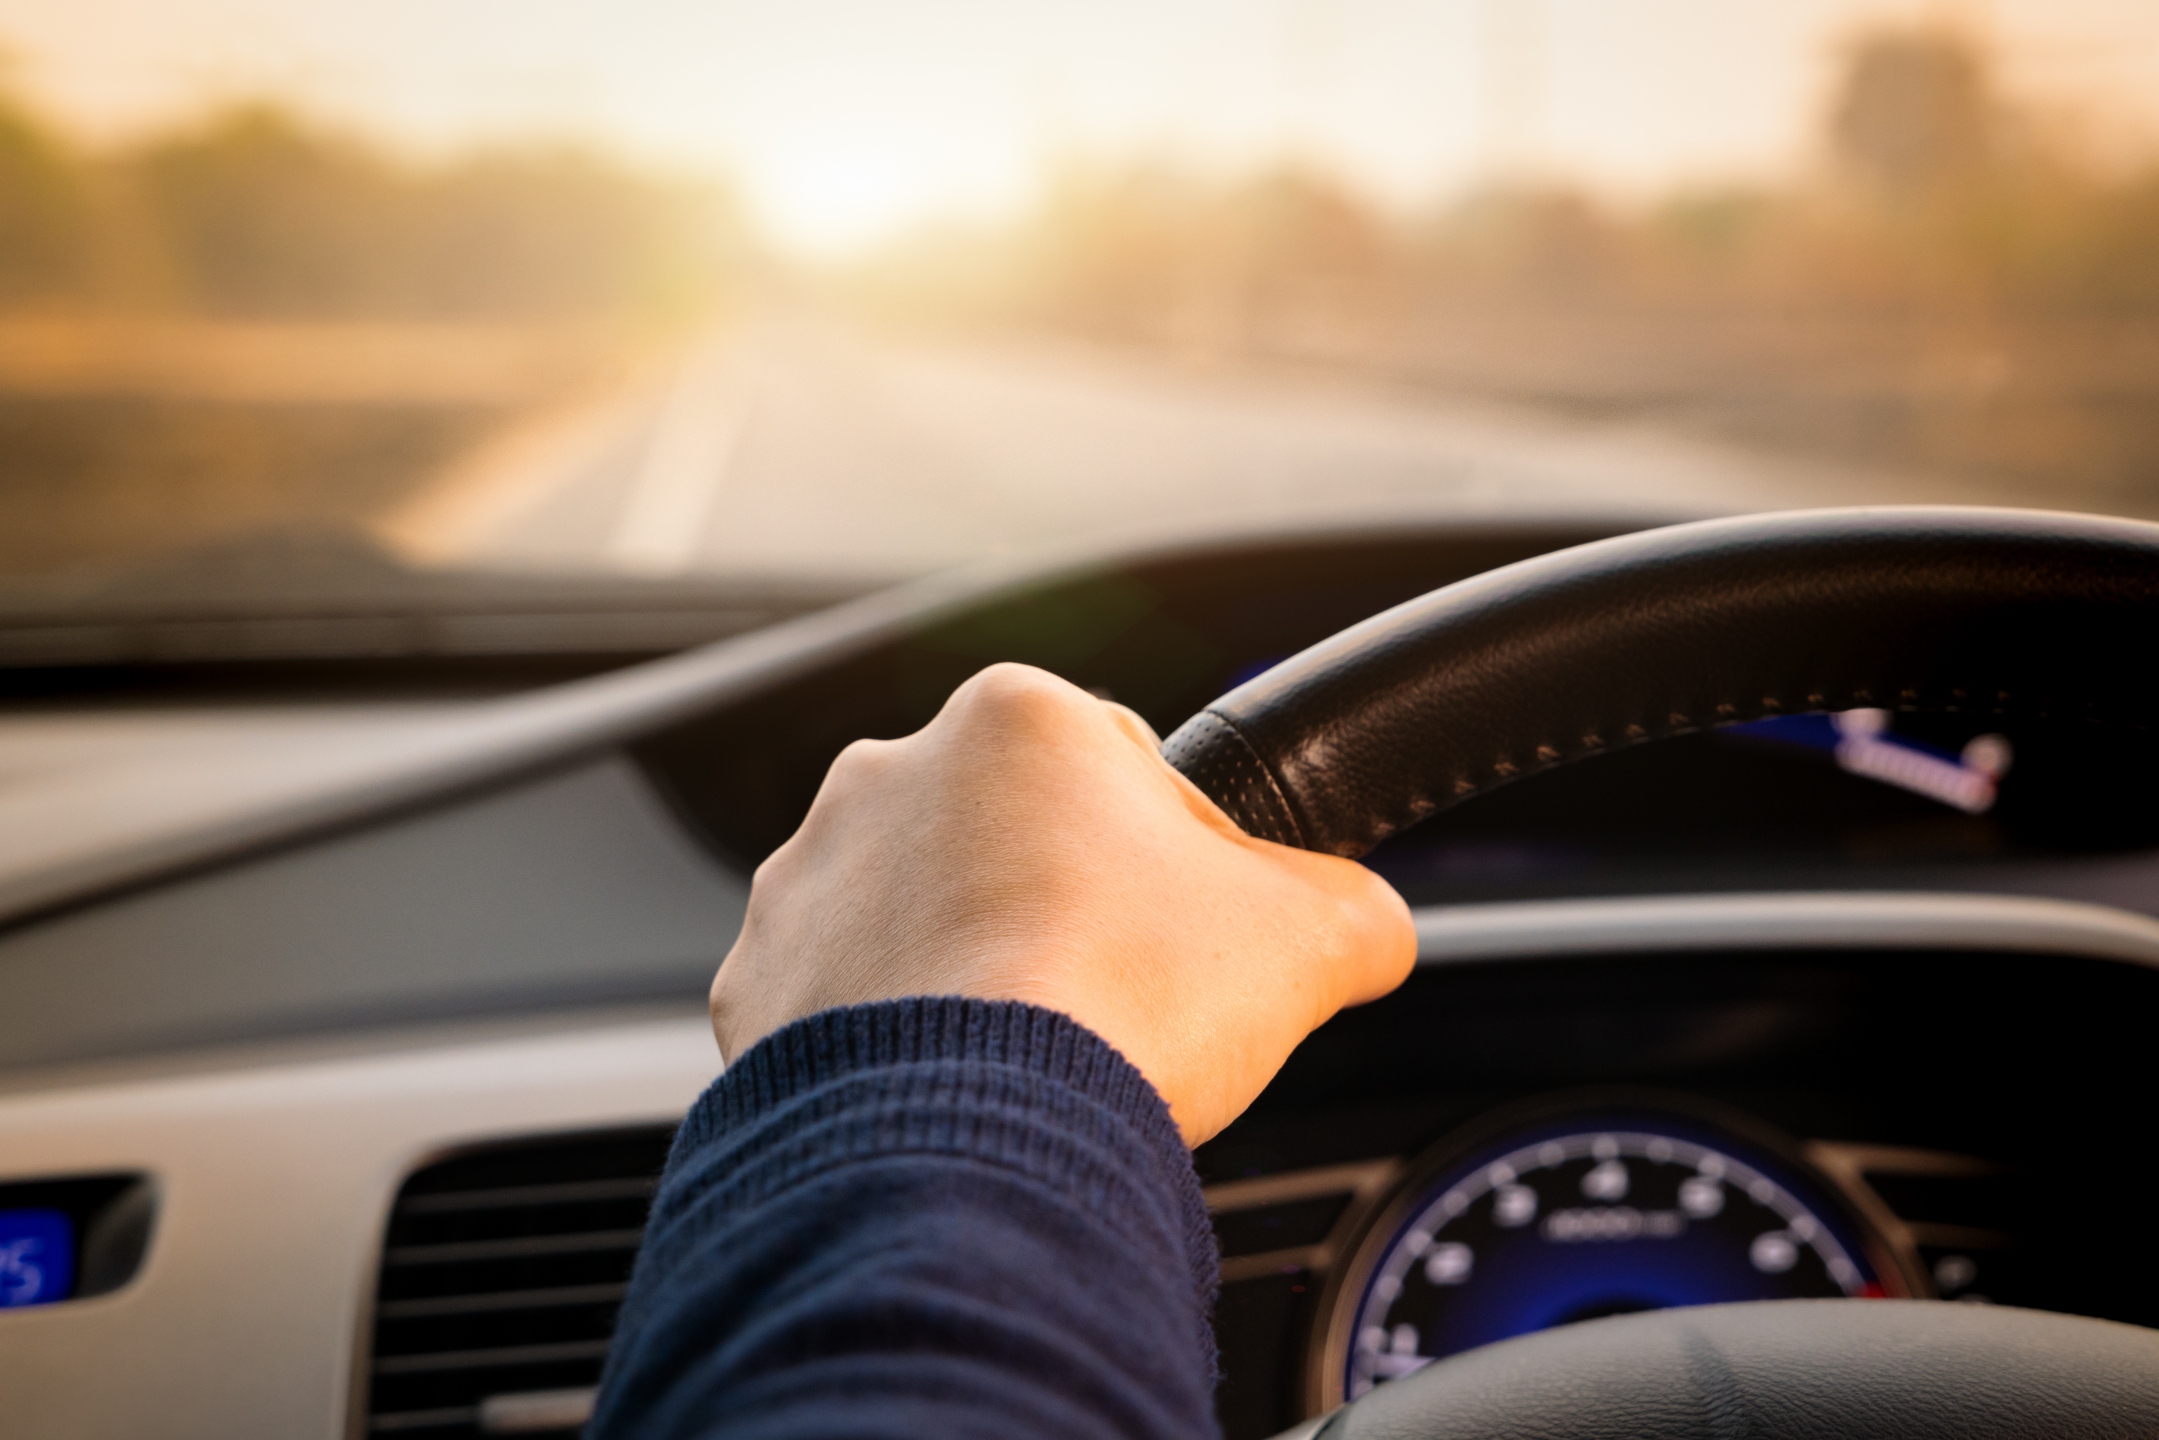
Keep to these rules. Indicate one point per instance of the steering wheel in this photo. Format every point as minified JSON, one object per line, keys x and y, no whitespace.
{"x":1999,"y":613}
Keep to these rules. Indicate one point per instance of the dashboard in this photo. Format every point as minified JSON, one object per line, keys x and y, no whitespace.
{"x":1512,"y":1143}
{"x":338,"y":1066}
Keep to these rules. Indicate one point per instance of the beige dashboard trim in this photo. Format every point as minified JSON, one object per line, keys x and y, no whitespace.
{"x":274,"y":1182}
{"x":1840,"y":920}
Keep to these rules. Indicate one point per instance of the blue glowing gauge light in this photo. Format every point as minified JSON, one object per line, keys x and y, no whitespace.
{"x":37,"y":1257}
{"x":1576,"y":1219}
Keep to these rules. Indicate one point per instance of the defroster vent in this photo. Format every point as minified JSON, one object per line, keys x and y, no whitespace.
{"x":501,"y":1275}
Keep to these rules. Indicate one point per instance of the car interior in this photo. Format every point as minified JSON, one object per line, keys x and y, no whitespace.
{"x":1725,"y":617}
{"x":352,"y":1080}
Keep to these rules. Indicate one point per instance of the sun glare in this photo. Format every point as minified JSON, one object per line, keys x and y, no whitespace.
{"x":844,"y":120}
{"x":829,"y":200}
{"x":837,"y":193}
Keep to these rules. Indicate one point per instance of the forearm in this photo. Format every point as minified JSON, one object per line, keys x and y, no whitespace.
{"x":919,"y":1218}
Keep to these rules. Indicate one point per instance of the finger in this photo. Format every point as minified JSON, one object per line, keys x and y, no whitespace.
{"x":1196,"y":800}
{"x":1382,"y":938}
{"x":1364,"y":944}
{"x":1133,"y":725}
{"x":1213,"y":816}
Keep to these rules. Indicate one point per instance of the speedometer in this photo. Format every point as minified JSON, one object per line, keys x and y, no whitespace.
{"x":1584,"y":1214}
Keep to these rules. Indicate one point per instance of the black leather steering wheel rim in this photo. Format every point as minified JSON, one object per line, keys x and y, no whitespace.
{"x":1994,"y":612}
{"x":1785,"y":1370}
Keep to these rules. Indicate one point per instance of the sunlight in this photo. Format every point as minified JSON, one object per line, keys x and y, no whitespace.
{"x":832,"y":195}
{"x":845,"y":119}
{"x":832,"y":199}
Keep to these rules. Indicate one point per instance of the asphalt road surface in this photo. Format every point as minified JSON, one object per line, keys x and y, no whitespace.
{"x":803,"y":449}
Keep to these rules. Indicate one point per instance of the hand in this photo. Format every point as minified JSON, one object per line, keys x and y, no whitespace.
{"x":1030,"y":843}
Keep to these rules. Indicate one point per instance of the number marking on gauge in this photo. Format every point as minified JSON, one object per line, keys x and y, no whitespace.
{"x":1625,"y":1196}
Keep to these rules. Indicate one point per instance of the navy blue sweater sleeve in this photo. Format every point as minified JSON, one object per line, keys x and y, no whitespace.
{"x":925,"y":1218}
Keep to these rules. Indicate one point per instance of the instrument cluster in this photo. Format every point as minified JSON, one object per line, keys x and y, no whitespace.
{"x":1568,"y":1212}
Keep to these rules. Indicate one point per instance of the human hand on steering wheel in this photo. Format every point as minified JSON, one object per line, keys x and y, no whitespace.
{"x":1031,"y":844}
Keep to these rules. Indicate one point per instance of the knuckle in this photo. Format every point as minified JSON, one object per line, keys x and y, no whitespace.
{"x":1007,"y":683}
{"x":771,"y":880}
{"x":1010,"y":694}
{"x":862,"y":757}
{"x":856,"y":767}
{"x":772,"y":870}
{"x":1369,"y":916}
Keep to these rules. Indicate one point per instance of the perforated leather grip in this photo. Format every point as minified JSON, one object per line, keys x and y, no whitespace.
{"x":1995,"y":612}
{"x":1785,"y":1370}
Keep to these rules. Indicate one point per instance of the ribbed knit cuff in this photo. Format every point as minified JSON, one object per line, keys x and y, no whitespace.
{"x":999,"y":1082}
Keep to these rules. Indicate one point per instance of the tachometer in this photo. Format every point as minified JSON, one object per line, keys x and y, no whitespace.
{"x":1590,"y":1214}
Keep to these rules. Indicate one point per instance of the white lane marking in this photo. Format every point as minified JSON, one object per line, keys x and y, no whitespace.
{"x":684,"y":467}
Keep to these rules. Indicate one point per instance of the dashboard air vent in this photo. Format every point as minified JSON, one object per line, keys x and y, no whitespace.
{"x":501,"y":1275}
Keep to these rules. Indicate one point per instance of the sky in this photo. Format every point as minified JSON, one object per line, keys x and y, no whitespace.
{"x":844,"y":120}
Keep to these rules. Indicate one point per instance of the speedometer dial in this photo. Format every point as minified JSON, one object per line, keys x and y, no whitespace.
{"x":1599,"y":1215}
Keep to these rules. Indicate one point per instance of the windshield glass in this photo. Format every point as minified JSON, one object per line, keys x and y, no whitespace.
{"x":845,"y":290}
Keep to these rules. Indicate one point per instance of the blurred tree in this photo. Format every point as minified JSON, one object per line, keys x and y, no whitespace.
{"x":558,"y":231}
{"x":1532,"y":242}
{"x":1113,"y":254}
{"x":265,"y":215}
{"x":1296,"y":231}
{"x":1152,"y":255}
{"x":1915,"y":110}
{"x":46,"y":218}
{"x":1715,"y":226}
{"x":2117,"y":264}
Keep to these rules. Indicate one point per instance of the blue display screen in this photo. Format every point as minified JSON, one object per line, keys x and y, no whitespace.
{"x":1592,"y":1214}
{"x":37,"y":1257}
{"x":1862,"y":742}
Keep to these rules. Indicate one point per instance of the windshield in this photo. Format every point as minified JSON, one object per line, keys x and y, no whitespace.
{"x":845,"y":290}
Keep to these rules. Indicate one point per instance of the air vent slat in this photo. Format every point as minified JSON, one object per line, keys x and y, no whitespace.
{"x":405,"y":1421}
{"x":510,"y":1196}
{"x":502,"y":1270}
{"x":509,"y":1249}
{"x":492,"y":1359}
{"x":499,"y":1301}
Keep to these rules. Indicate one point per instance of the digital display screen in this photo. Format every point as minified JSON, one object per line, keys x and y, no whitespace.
{"x":1863,"y":743}
{"x":37,"y":1257}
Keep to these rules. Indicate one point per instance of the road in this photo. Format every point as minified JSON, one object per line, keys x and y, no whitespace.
{"x":804,"y":449}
